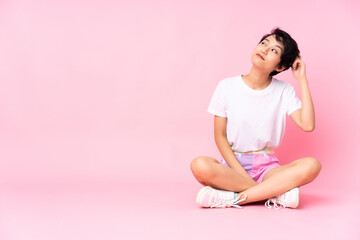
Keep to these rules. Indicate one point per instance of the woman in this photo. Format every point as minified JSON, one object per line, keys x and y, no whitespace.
{"x":250,"y":112}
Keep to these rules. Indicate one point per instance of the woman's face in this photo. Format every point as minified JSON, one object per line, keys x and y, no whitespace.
{"x":267,"y":54}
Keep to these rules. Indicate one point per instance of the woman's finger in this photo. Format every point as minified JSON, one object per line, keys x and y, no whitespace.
{"x":294,"y":66}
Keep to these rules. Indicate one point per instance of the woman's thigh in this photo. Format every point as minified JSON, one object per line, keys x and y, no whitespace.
{"x":210,"y":172}
{"x":308,"y":168}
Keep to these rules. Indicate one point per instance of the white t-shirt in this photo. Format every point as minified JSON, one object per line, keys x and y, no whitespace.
{"x":255,"y":118}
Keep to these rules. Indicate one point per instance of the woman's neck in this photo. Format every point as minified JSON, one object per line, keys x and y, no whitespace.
{"x":257,"y":80}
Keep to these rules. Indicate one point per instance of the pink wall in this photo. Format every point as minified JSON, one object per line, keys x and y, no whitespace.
{"x":110,"y":90}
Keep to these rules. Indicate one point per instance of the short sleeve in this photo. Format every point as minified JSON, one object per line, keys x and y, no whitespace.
{"x":217,"y":102}
{"x":292,"y":102}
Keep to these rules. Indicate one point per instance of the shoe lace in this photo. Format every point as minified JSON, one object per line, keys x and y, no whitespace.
{"x":223,"y":200}
{"x":271,"y":203}
{"x":277,"y":202}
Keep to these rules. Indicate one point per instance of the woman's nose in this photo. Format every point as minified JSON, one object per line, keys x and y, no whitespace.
{"x":264,"y":50}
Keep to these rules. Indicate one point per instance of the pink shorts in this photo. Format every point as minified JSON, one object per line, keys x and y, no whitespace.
{"x":256,"y":165}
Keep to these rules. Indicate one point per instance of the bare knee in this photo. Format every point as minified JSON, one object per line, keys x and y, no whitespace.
{"x":311,"y":168}
{"x":201,"y":168}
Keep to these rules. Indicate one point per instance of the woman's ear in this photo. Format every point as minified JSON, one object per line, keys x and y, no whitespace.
{"x":280,"y":68}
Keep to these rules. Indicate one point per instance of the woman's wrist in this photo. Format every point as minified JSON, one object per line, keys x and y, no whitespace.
{"x":302,"y":79}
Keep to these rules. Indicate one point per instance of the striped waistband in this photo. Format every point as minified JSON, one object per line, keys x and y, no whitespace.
{"x":262,"y":151}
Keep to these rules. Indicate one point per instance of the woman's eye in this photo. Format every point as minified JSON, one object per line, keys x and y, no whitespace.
{"x":274,"y":50}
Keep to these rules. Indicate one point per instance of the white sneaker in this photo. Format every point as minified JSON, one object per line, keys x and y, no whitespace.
{"x":290,"y":199}
{"x":210,"y":197}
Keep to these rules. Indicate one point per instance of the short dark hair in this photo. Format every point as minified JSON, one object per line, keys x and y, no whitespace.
{"x":291,"y":51}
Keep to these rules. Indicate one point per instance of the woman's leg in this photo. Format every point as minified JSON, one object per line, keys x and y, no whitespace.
{"x":284,"y":178}
{"x":209,"y":172}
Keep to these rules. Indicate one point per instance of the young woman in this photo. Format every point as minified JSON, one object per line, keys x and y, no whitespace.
{"x":250,"y":112}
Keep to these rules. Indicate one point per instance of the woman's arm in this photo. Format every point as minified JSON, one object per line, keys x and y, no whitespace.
{"x":304,"y":117}
{"x":224,"y":147}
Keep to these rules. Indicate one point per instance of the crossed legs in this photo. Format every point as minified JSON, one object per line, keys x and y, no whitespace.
{"x":210,"y":172}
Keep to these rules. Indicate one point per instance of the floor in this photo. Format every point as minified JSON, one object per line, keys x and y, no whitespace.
{"x":91,"y":210}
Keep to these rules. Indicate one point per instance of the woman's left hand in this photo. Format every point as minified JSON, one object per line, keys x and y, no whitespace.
{"x":299,"y":69}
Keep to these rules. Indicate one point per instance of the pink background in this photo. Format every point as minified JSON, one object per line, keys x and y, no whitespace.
{"x":114,"y":93}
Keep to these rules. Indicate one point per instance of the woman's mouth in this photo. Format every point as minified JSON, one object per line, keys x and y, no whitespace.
{"x":260,"y":56}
